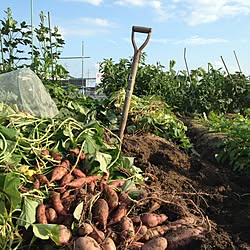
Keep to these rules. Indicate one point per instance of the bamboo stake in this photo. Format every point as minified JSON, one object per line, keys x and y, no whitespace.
{"x":185,"y":59}
{"x":237,"y":61}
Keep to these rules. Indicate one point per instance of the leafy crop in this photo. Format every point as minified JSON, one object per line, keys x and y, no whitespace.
{"x":201,"y":92}
{"x":235,"y":149}
{"x":16,"y":45}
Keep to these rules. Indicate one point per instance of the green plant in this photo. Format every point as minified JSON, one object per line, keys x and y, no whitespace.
{"x":14,"y":39}
{"x":201,"y":92}
{"x":16,"y":45}
{"x":235,"y":148}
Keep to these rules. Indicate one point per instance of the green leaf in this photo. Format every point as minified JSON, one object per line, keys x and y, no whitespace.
{"x":103,"y":159}
{"x":28,"y":215}
{"x":46,"y":231}
{"x":128,"y":162}
{"x":9,"y":133}
{"x":90,"y":146}
{"x":9,"y":184}
{"x":78,"y":211}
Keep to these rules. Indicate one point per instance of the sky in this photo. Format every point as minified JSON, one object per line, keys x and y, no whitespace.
{"x":208,"y":29}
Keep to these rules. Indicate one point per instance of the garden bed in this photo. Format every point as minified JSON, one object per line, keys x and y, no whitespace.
{"x":221,"y":194}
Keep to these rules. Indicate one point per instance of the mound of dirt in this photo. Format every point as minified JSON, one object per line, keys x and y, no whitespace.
{"x":214,"y":193}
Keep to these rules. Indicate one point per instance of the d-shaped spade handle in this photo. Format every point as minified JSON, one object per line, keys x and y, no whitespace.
{"x":140,"y":29}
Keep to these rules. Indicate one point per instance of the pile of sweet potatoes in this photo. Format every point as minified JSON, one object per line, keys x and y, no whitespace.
{"x":109,"y":217}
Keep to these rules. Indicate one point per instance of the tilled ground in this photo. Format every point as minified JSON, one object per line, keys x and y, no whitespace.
{"x":214,"y":193}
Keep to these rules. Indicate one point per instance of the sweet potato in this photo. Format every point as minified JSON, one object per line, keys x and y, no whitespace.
{"x":78,"y":173}
{"x":101,"y":212}
{"x":85,"y":229}
{"x":128,"y":230}
{"x":79,"y":182}
{"x":136,"y":245}
{"x":108,"y":244}
{"x":57,"y":203}
{"x":163,"y":229}
{"x":66,"y":193}
{"x":66,"y":179}
{"x":104,"y":180}
{"x":117,"y":183}
{"x":86,"y":243}
{"x":58,"y":173}
{"x":159,"y":243}
{"x":40,"y":214}
{"x":36,"y":184}
{"x":42,"y":179}
{"x":97,"y":235}
{"x":118,"y":214}
{"x":76,"y":152}
{"x":51,"y":215}
{"x":64,"y":234}
{"x":152,"y":220}
{"x":68,"y":202}
{"x":182,"y":237}
{"x":111,"y":197}
{"x":140,"y":232}
{"x":56,"y":156}
{"x":45,"y":152}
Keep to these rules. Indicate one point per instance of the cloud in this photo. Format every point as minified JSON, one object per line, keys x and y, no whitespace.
{"x":194,"y":12}
{"x":196,"y":40}
{"x":85,"y":26}
{"x":207,"y":11}
{"x":94,"y":2}
{"x":158,"y":6}
{"x":193,"y":40}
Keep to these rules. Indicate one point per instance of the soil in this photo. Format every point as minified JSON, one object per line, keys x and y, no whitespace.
{"x":220,"y":196}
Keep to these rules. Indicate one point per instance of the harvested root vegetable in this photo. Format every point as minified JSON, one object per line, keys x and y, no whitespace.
{"x":117,"y":183}
{"x":111,"y":197}
{"x":64,"y":234}
{"x":58,"y":173}
{"x":128,"y":230}
{"x":36,"y":184}
{"x":76,"y":152}
{"x":104,"y":180}
{"x":108,"y":244}
{"x":86,"y":243}
{"x":140,"y":232}
{"x":101,"y":212}
{"x":163,"y":229}
{"x":56,"y":156}
{"x":118,"y":214}
{"x":79,"y":182}
{"x":65,"y":192}
{"x":51,"y":215}
{"x":57,"y":203}
{"x":182,"y":237}
{"x":78,"y":173}
{"x":85,"y":229}
{"x":45,"y":152}
{"x":40,"y":214}
{"x":152,"y":220}
{"x":159,"y":243}
{"x":42,"y":179}
{"x":136,"y":245}
{"x":66,"y":179}
{"x":97,"y":235}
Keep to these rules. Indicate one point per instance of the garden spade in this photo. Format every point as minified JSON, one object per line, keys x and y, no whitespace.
{"x":131,"y":83}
